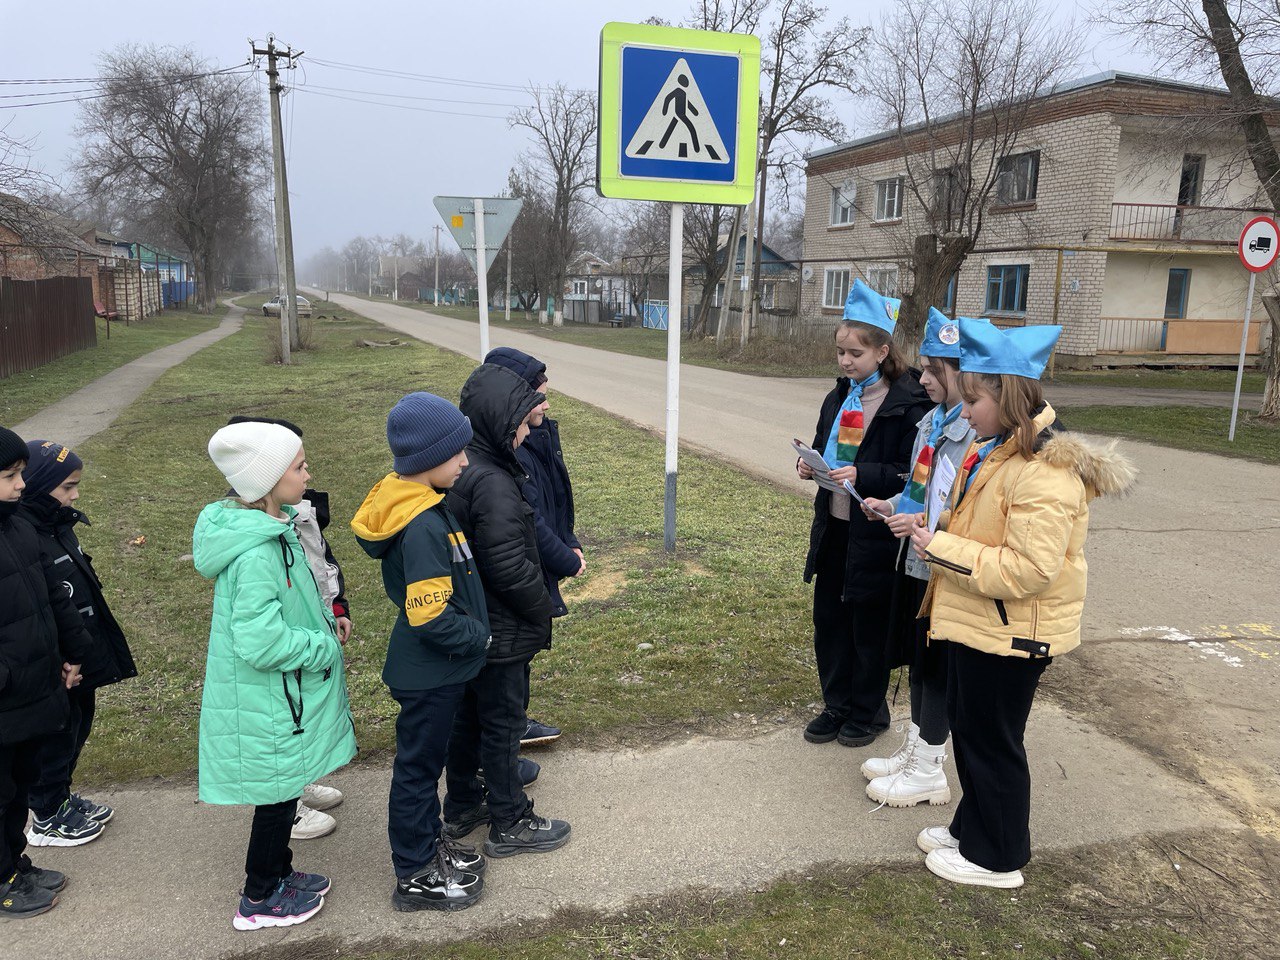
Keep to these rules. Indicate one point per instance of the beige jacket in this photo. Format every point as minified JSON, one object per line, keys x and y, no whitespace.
{"x":1009,"y":570}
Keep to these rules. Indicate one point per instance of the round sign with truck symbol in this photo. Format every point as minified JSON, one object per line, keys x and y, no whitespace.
{"x":1259,"y":244}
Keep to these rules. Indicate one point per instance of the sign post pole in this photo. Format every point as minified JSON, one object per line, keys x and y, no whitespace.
{"x":482,"y":279}
{"x":1244,"y":343}
{"x":675,"y":281}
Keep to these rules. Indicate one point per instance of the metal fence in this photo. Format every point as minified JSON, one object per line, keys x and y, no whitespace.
{"x":42,"y":320}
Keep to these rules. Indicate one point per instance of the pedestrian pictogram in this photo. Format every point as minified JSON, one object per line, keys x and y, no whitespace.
{"x":678,"y":125}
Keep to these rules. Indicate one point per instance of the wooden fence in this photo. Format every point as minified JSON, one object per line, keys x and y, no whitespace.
{"x":42,"y":320}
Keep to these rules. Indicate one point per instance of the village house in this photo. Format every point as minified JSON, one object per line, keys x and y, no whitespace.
{"x":1110,"y":217}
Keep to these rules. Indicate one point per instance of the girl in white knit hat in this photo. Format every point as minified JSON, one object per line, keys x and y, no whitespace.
{"x":274,"y":715}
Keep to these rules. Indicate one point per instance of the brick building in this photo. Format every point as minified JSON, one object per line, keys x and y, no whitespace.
{"x":1110,"y":217}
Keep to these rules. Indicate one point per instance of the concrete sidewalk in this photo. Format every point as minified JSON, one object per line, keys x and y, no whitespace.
{"x":94,"y":407}
{"x":707,"y":814}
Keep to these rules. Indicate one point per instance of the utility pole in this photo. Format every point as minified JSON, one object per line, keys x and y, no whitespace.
{"x":371,"y":276}
{"x":508,"y":301}
{"x":437,"y":289}
{"x":284,"y":228}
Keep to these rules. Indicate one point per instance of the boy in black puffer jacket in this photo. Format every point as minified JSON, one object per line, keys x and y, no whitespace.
{"x":42,"y":644}
{"x":499,"y":525}
{"x":52,"y":476}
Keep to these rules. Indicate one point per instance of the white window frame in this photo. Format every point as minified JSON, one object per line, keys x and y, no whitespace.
{"x":1009,"y":185}
{"x":717,"y":298}
{"x":580,"y":288}
{"x":883,"y":279}
{"x":768,"y":294}
{"x":829,"y":286}
{"x":885,"y":214}
{"x":843,"y":198}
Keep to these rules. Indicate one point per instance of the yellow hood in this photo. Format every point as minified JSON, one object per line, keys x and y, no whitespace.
{"x":390,"y":506}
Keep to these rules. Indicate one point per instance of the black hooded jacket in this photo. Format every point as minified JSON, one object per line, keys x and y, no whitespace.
{"x":498,"y":522}
{"x":110,"y":660}
{"x":39,"y":631}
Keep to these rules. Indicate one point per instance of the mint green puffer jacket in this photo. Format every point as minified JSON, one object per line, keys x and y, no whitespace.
{"x":275,"y":715}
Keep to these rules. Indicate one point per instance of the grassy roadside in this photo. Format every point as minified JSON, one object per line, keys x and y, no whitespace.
{"x":1123,"y":901}
{"x":26,"y":393}
{"x":1217,"y":381}
{"x":1202,"y":429}
{"x":727,"y":621}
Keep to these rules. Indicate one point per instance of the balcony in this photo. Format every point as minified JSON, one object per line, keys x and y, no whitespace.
{"x":1170,"y":223}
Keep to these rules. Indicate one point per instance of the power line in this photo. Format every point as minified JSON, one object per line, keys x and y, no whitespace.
{"x":409,"y":96}
{"x":400,"y":106}
{"x":139,"y":88}
{"x":421,"y":77}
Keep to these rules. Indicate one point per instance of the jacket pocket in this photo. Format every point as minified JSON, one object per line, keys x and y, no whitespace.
{"x":1002,"y":611}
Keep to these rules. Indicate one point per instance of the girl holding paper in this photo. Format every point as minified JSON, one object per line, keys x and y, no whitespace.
{"x":1007,"y":589}
{"x":914,"y":772}
{"x":865,"y":431}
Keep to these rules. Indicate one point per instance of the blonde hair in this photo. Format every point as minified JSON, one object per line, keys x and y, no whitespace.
{"x":894,"y":365}
{"x":1018,"y":400}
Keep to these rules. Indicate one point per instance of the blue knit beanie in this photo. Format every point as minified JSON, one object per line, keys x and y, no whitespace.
{"x":424,"y":431}
{"x":48,"y":465}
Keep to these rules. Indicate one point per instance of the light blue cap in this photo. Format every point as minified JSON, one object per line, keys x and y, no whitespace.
{"x":864,"y":305}
{"x":942,"y":334}
{"x":1021,"y":351}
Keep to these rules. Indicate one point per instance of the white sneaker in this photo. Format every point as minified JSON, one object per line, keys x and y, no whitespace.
{"x":951,"y":865}
{"x":888,"y":766}
{"x":936,"y":838}
{"x":309,"y":824}
{"x":921,"y":780}
{"x":319,"y":797}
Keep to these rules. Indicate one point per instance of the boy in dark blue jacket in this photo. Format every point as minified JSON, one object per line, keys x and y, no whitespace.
{"x":437,"y":645}
{"x":549,"y":491}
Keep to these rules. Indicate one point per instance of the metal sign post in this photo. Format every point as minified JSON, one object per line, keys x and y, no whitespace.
{"x":482,"y":282}
{"x":679,"y":119}
{"x":1258,"y":247}
{"x":479,"y":223}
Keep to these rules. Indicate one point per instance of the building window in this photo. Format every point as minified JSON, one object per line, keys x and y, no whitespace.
{"x":883,"y":280}
{"x":1018,"y":177}
{"x":949,"y":187}
{"x":1191,"y":181}
{"x":767,"y":294}
{"x":579,"y":288}
{"x":889,"y":199}
{"x":1007,"y":288}
{"x":1175,"y":298}
{"x":949,"y":298}
{"x":718,"y":297}
{"x":842,"y":198}
{"x":835,"y":287}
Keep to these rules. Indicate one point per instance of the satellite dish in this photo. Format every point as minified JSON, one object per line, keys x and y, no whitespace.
{"x":599,"y":283}
{"x":807,"y":274}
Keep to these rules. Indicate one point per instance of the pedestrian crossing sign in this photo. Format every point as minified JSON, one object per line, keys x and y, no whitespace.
{"x":679,"y":114}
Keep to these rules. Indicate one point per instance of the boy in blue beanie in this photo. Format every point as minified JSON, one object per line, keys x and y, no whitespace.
{"x":437,"y":645}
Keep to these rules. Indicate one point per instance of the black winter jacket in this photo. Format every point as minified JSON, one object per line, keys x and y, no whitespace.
{"x":550,"y":492}
{"x":882,"y":464}
{"x":39,"y":631}
{"x":496,"y":518}
{"x":110,"y":660}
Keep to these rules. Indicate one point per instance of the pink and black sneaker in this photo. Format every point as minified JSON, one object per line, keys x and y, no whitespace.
{"x":284,"y":908}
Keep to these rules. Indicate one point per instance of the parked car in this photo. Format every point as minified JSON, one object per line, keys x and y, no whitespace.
{"x":272,"y":307}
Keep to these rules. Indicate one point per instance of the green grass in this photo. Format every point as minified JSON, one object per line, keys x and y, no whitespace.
{"x":1221,"y":381}
{"x":26,"y":393}
{"x":1188,"y":428}
{"x":728,"y":621}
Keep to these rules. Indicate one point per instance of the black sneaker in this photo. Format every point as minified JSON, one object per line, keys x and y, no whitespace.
{"x":99,"y":812}
{"x":438,"y":887}
{"x":823,"y":728}
{"x":463,"y":856}
{"x":20,"y":898}
{"x":854,"y":735}
{"x":539,"y":734}
{"x":468,"y":821}
{"x":526,"y":769}
{"x":68,"y":827}
{"x":530,"y":834}
{"x":52,"y":880}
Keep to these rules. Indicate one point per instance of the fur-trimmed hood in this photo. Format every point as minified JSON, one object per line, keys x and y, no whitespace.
{"x":1101,"y":467}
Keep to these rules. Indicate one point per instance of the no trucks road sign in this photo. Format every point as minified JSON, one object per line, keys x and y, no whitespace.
{"x":679,"y":114}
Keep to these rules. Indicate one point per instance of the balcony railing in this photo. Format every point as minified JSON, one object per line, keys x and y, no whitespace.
{"x":1170,"y":223}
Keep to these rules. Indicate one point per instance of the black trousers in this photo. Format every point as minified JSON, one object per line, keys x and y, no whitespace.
{"x":850,"y":640}
{"x":486,"y":733}
{"x":61,"y":753}
{"x":422,"y":740}
{"x":988,"y":701}
{"x":269,"y":859}
{"x":19,"y":766}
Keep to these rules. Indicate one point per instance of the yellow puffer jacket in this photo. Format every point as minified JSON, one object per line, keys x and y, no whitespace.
{"x":1009,"y":572}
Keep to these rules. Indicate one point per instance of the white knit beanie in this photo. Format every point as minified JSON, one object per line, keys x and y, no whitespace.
{"x":254,"y":456}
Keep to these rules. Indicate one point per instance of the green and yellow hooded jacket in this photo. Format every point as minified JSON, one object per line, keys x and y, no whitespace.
{"x":442,"y":632}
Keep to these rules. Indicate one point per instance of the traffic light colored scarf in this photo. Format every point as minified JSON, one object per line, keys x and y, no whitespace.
{"x":973,"y":461}
{"x":846,"y":432}
{"x":913,"y":494}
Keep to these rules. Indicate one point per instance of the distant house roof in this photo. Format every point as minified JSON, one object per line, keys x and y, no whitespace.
{"x":772,"y":263}
{"x":40,"y":228}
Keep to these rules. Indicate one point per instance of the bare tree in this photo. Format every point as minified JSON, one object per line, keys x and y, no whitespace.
{"x":954,"y":82}
{"x":563,"y":124}
{"x":532,"y":262}
{"x":182,"y":144}
{"x":1235,"y":43}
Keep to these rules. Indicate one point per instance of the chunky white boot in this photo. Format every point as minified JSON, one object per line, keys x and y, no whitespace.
{"x":921,"y":779}
{"x":888,"y":766}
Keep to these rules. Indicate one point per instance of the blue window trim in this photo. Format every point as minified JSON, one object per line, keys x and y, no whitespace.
{"x":1186,"y":289}
{"x":999,"y":278}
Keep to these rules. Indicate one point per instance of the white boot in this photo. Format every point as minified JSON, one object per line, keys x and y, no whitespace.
{"x":888,"y":766}
{"x":921,"y":779}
